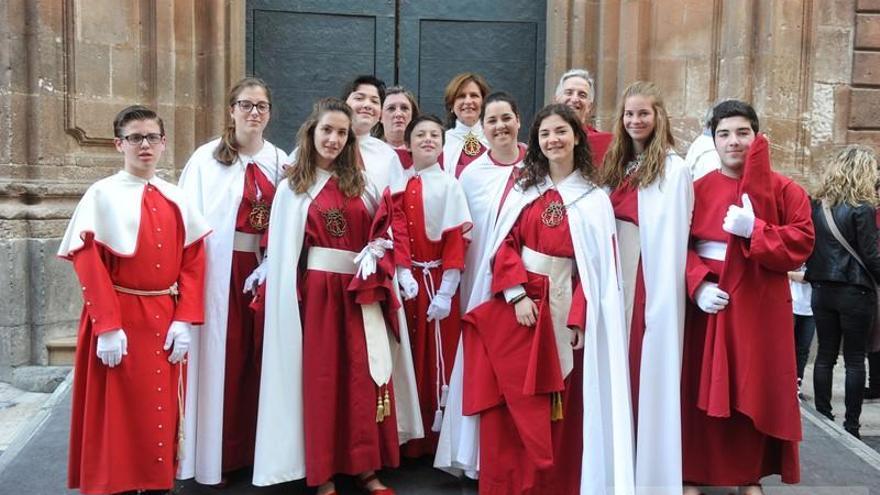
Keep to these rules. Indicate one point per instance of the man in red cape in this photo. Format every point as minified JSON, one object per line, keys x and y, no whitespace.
{"x":577,"y":90}
{"x":740,"y":416}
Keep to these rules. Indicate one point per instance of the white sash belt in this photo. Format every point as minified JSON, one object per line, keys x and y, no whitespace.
{"x":713,"y":250}
{"x":559,"y":270}
{"x":375,"y":330}
{"x":248,"y":243}
{"x":442,"y":387}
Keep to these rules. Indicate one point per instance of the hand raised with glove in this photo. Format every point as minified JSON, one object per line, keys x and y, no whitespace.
{"x":408,"y":285}
{"x":740,"y":220}
{"x":112,"y":345}
{"x":710,"y":298}
{"x":256,"y":278}
{"x":179,"y":336}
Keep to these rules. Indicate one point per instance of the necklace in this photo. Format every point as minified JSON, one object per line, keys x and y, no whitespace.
{"x":471,"y":144}
{"x":334,"y":218}
{"x":258,"y":218}
{"x":633,"y":165}
{"x":555,"y":211}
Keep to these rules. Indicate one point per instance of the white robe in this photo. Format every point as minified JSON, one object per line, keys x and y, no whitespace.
{"x":702,"y":157}
{"x":215,"y":190}
{"x":664,"y":209}
{"x":483,"y":182}
{"x":280,"y":449}
{"x":455,"y":143}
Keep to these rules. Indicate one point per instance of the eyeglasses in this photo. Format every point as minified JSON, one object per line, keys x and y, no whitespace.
{"x":246,"y":106}
{"x":137,"y":139}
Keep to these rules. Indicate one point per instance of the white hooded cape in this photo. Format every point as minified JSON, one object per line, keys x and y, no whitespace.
{"x":443,"y":202}
{"x":215,"y":190}
{"x":111,"y":210}
{"x":455,"y":143}
{"x":607,"y":465}
{"x":280,"y":448}
{"x":664,"y":209}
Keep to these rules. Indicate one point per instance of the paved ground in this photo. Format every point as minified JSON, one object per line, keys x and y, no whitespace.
{"x":831,"y":463}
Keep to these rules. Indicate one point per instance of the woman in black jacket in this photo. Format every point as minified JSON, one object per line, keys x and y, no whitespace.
{"x":844,"y":301}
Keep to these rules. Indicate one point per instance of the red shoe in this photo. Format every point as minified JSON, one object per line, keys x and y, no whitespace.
{"x":362,"y":484}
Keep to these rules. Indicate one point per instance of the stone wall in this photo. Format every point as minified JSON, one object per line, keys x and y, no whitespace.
{"x":66,"y":66}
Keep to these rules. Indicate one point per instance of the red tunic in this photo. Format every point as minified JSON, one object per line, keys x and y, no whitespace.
{"x":244,"y":338}
{"x":511,"y":370}
{"x":123,"y":433}
{"x":339,"y":407}
{"x":464,"y":160}
{"x":625,"y":200}
{"x":412,"y":244}
{"x":751,"y":441}
{"x":599,"y":142}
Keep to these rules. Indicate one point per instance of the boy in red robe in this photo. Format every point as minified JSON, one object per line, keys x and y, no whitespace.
{"x":431,"y":226}
{"x":138,"y":251}
{"x":740,"y":416}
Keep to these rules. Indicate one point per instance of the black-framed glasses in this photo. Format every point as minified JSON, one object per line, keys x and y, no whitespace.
{"x":137,"y":139}
{"x":247,"y":105}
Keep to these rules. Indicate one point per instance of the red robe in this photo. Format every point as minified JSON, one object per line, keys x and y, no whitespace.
{"x":740,"y":416}
{"x":412,"y":244}
{"x":511,"y":370}
{"x":341,"y":432}
{"x":625,"y":200}
{"x":599,"y":142}
{"x":125,"y":419}
{"x":244,"y":338}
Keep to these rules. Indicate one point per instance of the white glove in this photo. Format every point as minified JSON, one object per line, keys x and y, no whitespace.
{"x":256,"y":278}
{"x":179,"y":335}
{"x":740,"y":220}
{"x":408,"y":284}
{"x":441,"y":304}
{"x":369,"y":255}
{"x":710,"y":298}
{"x":112,"y":346}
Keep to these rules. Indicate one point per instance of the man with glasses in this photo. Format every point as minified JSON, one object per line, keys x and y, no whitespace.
{"x":137,"y":248}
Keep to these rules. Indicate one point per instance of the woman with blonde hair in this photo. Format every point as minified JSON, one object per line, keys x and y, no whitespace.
{"x":465,"y":140}
{"x":328,"y":403}
{"x":843,"y":269}
{"x":652,"y":195}
{"x":231,"y":180}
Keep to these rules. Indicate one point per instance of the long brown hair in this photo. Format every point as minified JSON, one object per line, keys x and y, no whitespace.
{"x":301,"y":175}
{"x":850,"y":178}
{"x":536,"y":166}
{"x":454,"y":87}
{"x":227,"y":150}
{"x":622,"y":149}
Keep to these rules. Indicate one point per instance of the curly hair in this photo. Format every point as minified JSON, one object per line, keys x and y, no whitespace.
{"x":850,"y":177}
{"x":622,"y":149}
{"x":536,"y":166}
{"x":301,"y":175}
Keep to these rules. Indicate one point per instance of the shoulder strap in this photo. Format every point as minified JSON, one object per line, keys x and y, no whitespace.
{"x":832,"y":226}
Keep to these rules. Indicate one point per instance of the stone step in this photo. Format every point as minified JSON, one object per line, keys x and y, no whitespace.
{"x":61,"y":351}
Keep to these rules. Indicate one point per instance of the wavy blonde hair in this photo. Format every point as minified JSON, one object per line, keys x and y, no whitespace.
{"x":302,"y":174}
{"x":622,"y":149}
{"x":850,"y":177}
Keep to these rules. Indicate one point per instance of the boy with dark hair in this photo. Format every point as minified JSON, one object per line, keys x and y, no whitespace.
{"x":138,"y":252}
{"x":740,"y":413}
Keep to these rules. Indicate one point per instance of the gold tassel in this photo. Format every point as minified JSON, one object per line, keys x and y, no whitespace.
{"x":380,"y":409}
{"x":556,"y":406}
{"x":387,"y":402}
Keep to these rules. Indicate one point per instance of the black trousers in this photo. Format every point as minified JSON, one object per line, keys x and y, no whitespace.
{"x":874,"y":370}
{"x":804,"y":329}
{"x":843,"y":312}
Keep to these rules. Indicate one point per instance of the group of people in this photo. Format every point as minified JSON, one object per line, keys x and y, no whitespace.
{"x":573,"y":314}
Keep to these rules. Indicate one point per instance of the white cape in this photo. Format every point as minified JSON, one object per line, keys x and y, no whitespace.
{"x":215,"y":190}
{"x":111,"y":210}
{"x":455,"y":143}
{"x":664,"y":210}
{"x":280,"y":448}
{"x":483,"y":183}
{"x":443,"y":202}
